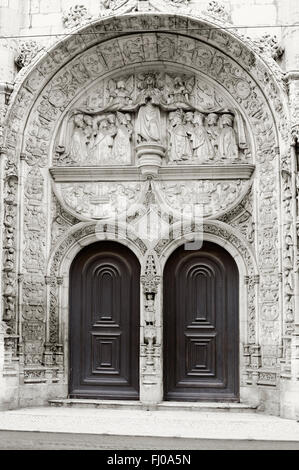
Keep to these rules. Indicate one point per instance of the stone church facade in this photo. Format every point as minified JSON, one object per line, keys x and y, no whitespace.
{"x":149,"y":171}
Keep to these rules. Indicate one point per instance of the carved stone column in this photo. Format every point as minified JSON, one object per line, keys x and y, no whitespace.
{"x":150,"y":354}
{"x":290,"y":206}
{"x":9,"y":26}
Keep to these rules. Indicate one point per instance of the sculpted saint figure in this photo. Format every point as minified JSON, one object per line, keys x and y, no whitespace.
{"x":103,"y":143}
{"x":122,"y":143}
{"x":80,"y":137}
{"x":149,"y":314}
{"x":148,"y":124}
{"x":228,"y":146}
{"x":202,"y":147}
{"x":179,"y":143}
{"x":213,"y":132}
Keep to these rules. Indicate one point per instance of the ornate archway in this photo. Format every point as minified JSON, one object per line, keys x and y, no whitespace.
{"x":180,"y":70}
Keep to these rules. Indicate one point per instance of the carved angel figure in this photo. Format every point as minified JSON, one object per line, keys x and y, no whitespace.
{"x":179,"y":143}
{"x":228,"y":145}
{"x":202,"y":146}
{"x":178,"y":89}
{"x":101,"y":151}
{"x":120,"y":91}
{"x":121,"y":151}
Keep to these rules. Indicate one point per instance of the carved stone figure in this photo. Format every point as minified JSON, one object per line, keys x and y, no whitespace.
{"x":213,"y":130}
{"x":78,"y":144}
{"x":179,"y":143}
{"x":228,"y":146}
{"x":121,"y":151}
{"x":101,"y":150}
{"x":178,"y":89}
{"x":120,"y":91}
{"x":148,"y":124}
{"x":149,"y":313}
{"x":202,"y":147}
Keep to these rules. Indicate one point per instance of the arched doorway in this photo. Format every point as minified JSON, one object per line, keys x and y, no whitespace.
{"x":104,"y":322}
{"x":201,"y":325}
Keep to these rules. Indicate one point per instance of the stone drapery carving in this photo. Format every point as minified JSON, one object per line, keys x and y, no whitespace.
{"x":180,"y":112}
{"x":76,"y":16}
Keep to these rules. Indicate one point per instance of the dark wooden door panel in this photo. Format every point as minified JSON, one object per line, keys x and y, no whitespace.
{"x":104,"y":323}
{"x":201,"y":325}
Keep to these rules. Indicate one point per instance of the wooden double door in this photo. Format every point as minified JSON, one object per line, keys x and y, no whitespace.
{"x":200,"y":314}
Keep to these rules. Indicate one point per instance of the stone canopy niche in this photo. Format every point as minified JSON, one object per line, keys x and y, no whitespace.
{"x":151,"y":123}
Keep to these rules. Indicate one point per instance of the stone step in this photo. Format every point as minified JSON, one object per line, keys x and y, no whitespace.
{"x":206,"y":407}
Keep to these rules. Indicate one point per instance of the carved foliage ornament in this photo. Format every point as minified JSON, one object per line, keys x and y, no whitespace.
{"x":75,"y":16}
{"x":27,"y":50}
{"x":34,"y":259}
{"x":218,"y":10}
{"x":269,"y":44}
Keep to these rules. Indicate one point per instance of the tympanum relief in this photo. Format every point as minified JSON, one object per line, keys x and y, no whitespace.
{"x":183,"y":114}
